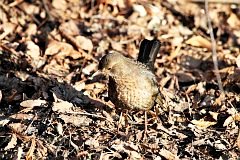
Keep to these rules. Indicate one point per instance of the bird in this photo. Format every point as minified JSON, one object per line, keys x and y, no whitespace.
{"x":132,"y":83}
{"x":148,"y":52}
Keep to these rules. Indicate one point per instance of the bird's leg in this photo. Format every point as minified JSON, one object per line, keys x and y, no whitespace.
{"x":155,"y":115}
{"x":124,"y":115}
{"x":119,"y":122}
{"x":126,"y":122}
{"x":145,"y":128}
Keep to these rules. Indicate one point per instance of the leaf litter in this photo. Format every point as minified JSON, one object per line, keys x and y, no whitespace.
{"x":52,"y":107}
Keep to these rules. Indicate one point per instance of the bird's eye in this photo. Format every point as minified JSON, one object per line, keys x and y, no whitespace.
{"x":109,"y":68}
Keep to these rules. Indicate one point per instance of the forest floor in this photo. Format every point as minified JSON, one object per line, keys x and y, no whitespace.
{"x":51,"y":107}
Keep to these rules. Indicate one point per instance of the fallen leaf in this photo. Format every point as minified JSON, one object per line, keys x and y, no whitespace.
{"x":84,"y":43}
{"x":33,"y":103}
{"x":89,"y":68}
{"x":7,"y":29}
{"x":168,"y":155}
{"x":62,"y":107}
{"x":70,"y":27}
{"x":199,"y":41}
{"x":202,"y":123}
{"x":238,"y":61}
{"x":76,"y":120}
{"x":18,"y":127}
{"x":42,"y":150}
{"x":29,"y":155}
{"x":117,"y":46}
{"x":24,"y":116}
{"x":233,"y":21}
{"x":12,"y":142}
{"x":60,"y":48}
{"x":61,"y":5}
{"x":238,"y":141}
{"x":93,"y":143}
{"x":229,"y":120}
{"x":3,"y":122}
{"x":140,"y":10}
{"x":33,"y":50}
{"x":60,"y":129}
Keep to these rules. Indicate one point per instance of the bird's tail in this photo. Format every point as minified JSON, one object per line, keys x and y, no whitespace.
{"x":148,"y":52}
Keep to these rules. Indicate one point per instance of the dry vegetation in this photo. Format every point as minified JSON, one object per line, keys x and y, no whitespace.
{"x":52,"y":108}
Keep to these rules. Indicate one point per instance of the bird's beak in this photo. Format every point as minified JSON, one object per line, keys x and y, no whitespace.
{"x":96,"y":74}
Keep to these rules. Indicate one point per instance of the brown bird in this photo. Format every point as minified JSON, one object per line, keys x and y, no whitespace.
{"x":132,"y":84}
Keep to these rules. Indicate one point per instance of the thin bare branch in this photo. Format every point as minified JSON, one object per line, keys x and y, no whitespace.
{"x":214,"y":50}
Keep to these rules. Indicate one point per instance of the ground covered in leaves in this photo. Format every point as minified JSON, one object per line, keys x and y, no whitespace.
{"x":51,"y":107}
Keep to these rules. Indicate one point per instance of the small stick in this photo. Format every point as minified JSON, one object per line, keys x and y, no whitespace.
{"x":214,"y":52}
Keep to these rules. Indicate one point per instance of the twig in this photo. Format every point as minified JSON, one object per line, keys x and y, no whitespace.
{"x":15,"y":3}
{"x":47,"y":9}
{"x":87,"y":114}
{"x":214,"y":52}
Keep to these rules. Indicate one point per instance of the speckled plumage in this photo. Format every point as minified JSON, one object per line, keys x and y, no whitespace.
{"x":132,"y":84}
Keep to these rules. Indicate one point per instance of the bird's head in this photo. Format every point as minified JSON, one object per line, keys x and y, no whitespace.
{"x":109,"y":61}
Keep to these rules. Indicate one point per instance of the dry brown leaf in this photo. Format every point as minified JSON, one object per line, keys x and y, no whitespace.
{"x":41,"y":149}
{"x":18,"y":127}
{"x":3,"y":122}
{"x":79,"y":86}
{"x":29,"y":155}
{"x":199,"y":41}
{"x":214,"y":115}
{"x":19,"y":153}
{"x":237,"y":117}
{"x":7,"y":29}
{"x":61,"y":5}
{"x":12,"y":142}
{"x":76,"y":120}
{"x":92,"y":142}
{"x":202,"y":123}
{"x":89,"y":68}
{"x":70,"y":27}
{"x":75,"y":54}
{"x":33,"y":50}
{"x":33,"y":103}
{"x":229,"y":120}
{"x":140,"y":10}
{"x":31,"y":30}
{"x":23,"y":116}
{"x":168,"y":155}
{"x":84,"y":43}
{"x":135,"y":155}
{"x":60,"y":129}
{"x":60,"y":48}
{"x":238,"y":140}
{"x":94,"y":85}
{"x":220,"y":99}
{"x":175,"y":53}
{"x":185,"y":77}
{"x":62,"y":107}
{"x":117,"y":46}
{"x":238,"y":61}
{"x":74,"y":145}
{"x":219,"y":145}
{"x":233,"y":21}
{"x":108,"y":116}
